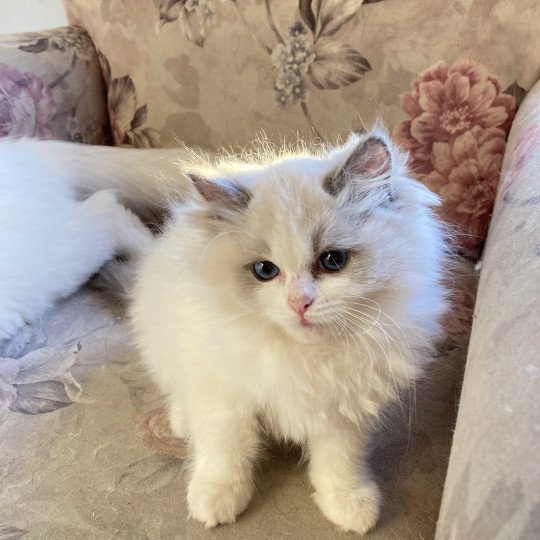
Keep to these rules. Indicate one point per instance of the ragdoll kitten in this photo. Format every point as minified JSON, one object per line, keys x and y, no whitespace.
{"x":297,"y":294}
{"x":58,"y":225}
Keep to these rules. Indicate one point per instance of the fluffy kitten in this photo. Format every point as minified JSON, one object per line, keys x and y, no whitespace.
{"x":57,"y":224}
{"x":298,"y":294}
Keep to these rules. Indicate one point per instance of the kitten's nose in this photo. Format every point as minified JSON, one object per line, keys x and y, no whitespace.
{"x":300,"y":304}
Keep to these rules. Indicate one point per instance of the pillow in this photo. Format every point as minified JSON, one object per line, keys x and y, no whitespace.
{"x":446,"y":77}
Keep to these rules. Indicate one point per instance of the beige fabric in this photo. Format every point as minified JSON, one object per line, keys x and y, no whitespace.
{"x":493,"y":486}
{"x":51,"y":87}
{"x":212,"y":72}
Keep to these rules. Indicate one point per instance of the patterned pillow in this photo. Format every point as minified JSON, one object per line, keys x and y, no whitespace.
{"x":51,"y":87}
{"x":217,"y":72}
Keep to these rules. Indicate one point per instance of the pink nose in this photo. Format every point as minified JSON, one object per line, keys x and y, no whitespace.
{"x":301,"y":304}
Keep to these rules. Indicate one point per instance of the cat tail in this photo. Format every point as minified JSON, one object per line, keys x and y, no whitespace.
{"x":142,"y":179}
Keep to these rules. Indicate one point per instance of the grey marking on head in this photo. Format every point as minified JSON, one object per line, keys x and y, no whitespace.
{"x":224,"y":196}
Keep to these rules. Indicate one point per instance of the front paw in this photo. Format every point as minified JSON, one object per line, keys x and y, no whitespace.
{"x":351,"y":510}
{"x":213,"y":503}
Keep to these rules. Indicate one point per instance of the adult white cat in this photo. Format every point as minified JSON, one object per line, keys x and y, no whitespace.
{"x":297,"y":294}
{"x":57,"y":228}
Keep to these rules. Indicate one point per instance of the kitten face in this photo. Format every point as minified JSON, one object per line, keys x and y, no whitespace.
{"x":292,"y":223}
{"x":273,"y":228}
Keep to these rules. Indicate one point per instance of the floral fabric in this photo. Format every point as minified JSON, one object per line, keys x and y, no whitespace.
{"x":51,"y":87}
{"x":27,"y":104}
{"x":216,"y":73}
{"x":459,"y":119}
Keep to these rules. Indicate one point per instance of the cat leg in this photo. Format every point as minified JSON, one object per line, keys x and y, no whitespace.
{"x":224,"y":435}
{"x":99,"y":228}
{"x":344,"y":491}
{"x":124,"y":228}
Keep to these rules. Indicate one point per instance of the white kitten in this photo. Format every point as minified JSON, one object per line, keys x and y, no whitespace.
{"x":57,"y":228}
{"x":298,"y":293}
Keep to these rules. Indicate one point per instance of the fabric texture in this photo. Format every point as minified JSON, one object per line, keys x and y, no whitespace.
{"x":493,"y":484}
{"x":217,"y":73}
{"x":52,"y":88}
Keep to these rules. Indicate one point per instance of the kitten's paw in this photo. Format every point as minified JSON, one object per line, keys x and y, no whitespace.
{"x":214,"y":503}
{"x":351,"y":510}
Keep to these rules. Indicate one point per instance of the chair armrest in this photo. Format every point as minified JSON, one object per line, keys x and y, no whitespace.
{"x":492,"y":486}
{"x":52,"y":88}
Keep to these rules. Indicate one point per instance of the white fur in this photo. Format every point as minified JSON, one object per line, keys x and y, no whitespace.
{"x":232,"y":356}
{"x":59,"y":223}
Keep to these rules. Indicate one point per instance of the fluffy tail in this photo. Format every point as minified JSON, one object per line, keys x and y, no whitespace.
{"x":142,"y":179}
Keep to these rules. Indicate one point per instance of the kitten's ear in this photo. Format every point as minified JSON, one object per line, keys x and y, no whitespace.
{"x":225,"y":196}
{"x":367,"y":159}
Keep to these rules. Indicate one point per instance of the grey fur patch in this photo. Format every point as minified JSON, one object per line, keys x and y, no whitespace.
{"x":371,"y":159}
{"x":222,"y":195}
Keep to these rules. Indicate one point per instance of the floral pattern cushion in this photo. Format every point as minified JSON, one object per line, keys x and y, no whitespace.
{"x":51,"y":87}
{"x":216,"y":73}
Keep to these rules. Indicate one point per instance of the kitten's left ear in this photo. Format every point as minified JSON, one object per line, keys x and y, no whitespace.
{"x":224,"y":196}
{"x":368,"y":160}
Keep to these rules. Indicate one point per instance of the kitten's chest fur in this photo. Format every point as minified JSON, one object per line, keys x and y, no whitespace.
{"x":299,"y":387}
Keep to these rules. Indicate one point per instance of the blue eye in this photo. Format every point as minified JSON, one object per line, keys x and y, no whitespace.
{"x":264,"y":270}
{"x":334,"y":260}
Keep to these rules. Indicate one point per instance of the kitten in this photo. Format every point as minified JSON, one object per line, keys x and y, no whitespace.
{"x":295,"y":293}
{"x":58,"y":225}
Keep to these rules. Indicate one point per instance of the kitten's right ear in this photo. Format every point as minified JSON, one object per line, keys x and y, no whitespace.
{"x":367,"y":160}
{"x":224,"y":196}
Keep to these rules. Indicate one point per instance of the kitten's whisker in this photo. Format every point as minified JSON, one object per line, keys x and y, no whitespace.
{"x":354,"y":333}
{"x":407,"y":354}
{"x":352,"y":310}
{"x":388,"y":338}
{"x":375,"y":323}
{"x":346,"y":339}
{"x":338,"y":337}
{"x":360,"y":317}
{"x":385,"y":353}
{"x":350,"y":334}
{"x":388,"y":317}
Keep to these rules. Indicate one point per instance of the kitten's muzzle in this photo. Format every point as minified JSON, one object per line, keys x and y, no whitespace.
{"x":300,"y":305}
